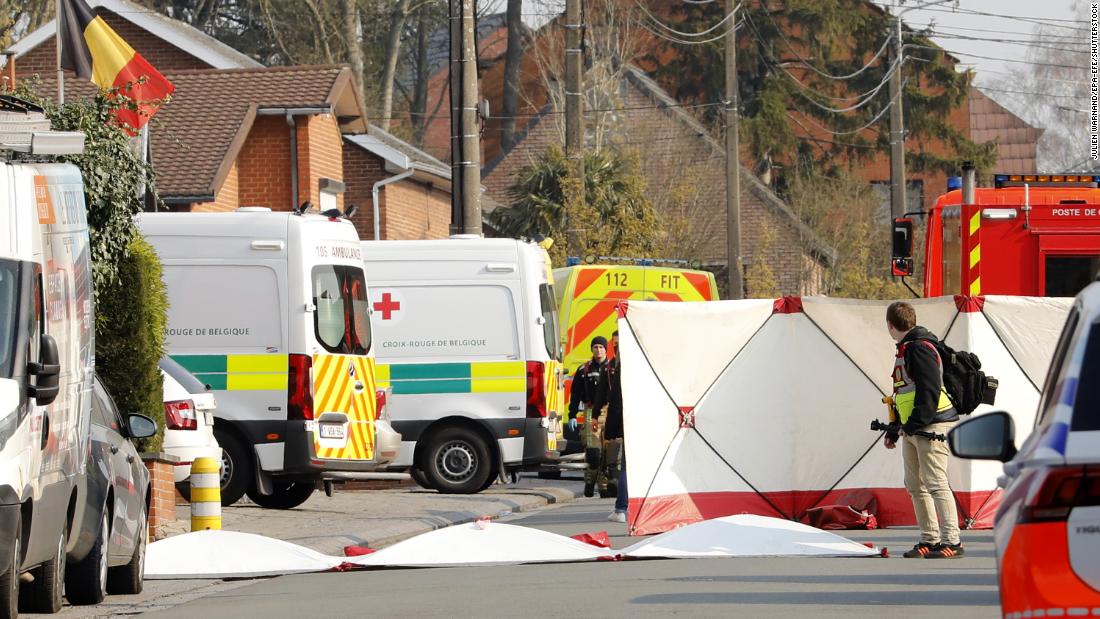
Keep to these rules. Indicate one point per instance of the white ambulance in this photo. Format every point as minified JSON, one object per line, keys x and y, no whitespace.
{"x":466,"y":339}
{"x":269,"y":310}
{"x":46,"y":363}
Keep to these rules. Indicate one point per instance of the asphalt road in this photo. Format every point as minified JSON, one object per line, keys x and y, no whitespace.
{"x":909,"y":588}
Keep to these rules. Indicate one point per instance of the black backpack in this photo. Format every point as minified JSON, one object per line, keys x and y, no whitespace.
{"x":966,"y":384}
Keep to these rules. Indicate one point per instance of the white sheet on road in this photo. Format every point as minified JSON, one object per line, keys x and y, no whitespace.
{"x":482,"y":543}
{"x":229,"y":554}
{"x":746,"y":535}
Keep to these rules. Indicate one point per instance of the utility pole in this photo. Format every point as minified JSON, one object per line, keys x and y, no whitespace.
{"x":733,"y":163}
{"x":574,"y":118}
{"x":897,"y":133}
{"x":465,"y":142}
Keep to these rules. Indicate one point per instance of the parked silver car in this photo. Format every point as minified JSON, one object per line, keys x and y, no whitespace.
{"x":113,"y":527}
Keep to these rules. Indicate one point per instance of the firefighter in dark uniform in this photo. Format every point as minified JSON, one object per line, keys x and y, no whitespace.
{"x":585,"y":382}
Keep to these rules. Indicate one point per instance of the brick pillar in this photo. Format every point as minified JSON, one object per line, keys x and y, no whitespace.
{"x":162,"y":499}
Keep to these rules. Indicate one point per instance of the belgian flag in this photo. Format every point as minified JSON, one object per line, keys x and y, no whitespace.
{"x":95,"y":52}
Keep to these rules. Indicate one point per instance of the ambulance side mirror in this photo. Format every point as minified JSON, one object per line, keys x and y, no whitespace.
{"x":901,"y":262}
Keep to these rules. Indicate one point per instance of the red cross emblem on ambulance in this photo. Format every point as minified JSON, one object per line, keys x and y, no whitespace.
{"x":387,"y":306}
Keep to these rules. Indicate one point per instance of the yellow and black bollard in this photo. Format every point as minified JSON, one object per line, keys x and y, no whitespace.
{"x":206,"y":495}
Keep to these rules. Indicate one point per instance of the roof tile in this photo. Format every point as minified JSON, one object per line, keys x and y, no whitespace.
{"x":191,"y":136}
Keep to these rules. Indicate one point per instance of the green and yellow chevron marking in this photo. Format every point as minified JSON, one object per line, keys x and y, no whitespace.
{"x":477,"y":377}
{"x":237,"y":372}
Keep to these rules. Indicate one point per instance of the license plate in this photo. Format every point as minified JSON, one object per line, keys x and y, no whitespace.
{"x":332,"y":431}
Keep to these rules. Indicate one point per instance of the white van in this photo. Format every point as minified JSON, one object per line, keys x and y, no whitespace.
{"x":466,"y":338}
{"x":269,"y":311}
{"x":46,"y":366}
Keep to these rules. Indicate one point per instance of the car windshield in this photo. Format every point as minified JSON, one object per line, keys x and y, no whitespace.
{"x":181,"y":375}
{"x":9,"y":302}
{"x":341,"y":318}
{"x":1086,"y":407}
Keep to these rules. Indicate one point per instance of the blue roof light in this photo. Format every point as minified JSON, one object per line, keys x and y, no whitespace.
{"x":954,"y":182}
{"x":572,"y":261}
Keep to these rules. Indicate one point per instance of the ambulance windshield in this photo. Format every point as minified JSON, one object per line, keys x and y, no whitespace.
{"x":9,"y":300}
{"x":341,"y":319}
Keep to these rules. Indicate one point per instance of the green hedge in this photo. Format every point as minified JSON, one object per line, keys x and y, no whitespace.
{"x":129,"y":338}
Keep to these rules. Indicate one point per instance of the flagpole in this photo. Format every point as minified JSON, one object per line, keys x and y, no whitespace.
{"x":60,"y":71}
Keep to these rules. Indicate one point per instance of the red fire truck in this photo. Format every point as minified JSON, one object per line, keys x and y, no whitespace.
{"x":1030,"y":235}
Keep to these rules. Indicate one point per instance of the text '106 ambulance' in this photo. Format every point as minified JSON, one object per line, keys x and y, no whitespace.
{"x":270,"y":311}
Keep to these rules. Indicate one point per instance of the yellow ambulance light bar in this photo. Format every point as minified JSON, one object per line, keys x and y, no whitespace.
{"x":1049,"y":180}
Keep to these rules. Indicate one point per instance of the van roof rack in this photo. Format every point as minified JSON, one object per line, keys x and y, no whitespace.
{"x":24,"y":128}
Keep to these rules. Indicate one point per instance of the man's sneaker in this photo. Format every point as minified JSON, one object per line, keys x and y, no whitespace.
{"x":589,"y":489}
{"x":946,"y":551}
{"x":919,"y":551}
{"x":617,"y":516}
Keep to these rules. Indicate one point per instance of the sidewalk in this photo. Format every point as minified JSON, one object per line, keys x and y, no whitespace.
{"x":378,"y":518}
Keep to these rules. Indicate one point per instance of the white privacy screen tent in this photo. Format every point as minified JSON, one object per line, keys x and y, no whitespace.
{"x":764,"y":407}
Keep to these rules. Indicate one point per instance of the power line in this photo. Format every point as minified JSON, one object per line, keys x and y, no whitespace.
{"x":686,"y":42}
{"x":1037,"y":94}
{"x":810,"y":137}
{"x":787,"y":41}
{"x":1083,"y":47}
{"x":1034,"y":20}
{"x":665,"y":26}
{"x":556,"y":112}
{"x":866,"y":97}
{"x":1038,"y":77}
{"x":1059,"y":38}
{"x":958,"y":53}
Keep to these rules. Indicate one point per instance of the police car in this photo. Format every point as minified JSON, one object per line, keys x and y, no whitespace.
{"x":1047,"y":531}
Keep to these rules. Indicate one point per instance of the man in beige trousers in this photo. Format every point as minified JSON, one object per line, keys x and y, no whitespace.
{"x":923,"y":406}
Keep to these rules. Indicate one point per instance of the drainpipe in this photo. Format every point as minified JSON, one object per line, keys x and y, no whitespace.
{"x":292,"y":122}
{"x":374,"y":194}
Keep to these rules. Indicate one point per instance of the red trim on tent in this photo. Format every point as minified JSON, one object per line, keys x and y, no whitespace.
{"x":969,"y":305}
{"x":663,"y":513}
{"x":687,"y":416}
{"x":621,"y":308}
{"x":788,"y":305}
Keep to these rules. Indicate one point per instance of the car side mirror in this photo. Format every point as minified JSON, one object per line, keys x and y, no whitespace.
{"x":987,"y":437}
{"x":141,"y":426}
{"x":901,"y":264}
{"x":46,"y":372}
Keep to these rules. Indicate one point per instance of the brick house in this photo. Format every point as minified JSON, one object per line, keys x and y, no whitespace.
{"x":236,"y":133}
{"x":168,"y":44}
{"x":684,"y":167}
{"x":417,"y":206}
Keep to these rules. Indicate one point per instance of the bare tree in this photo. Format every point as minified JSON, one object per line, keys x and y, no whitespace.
{"x":18,"y":17}
{"x":393,"y":49}
{"x":353,"y":43}
{"x":1061,"y":74}
{"x":512,"y":58}
{"x":611,"y":47}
